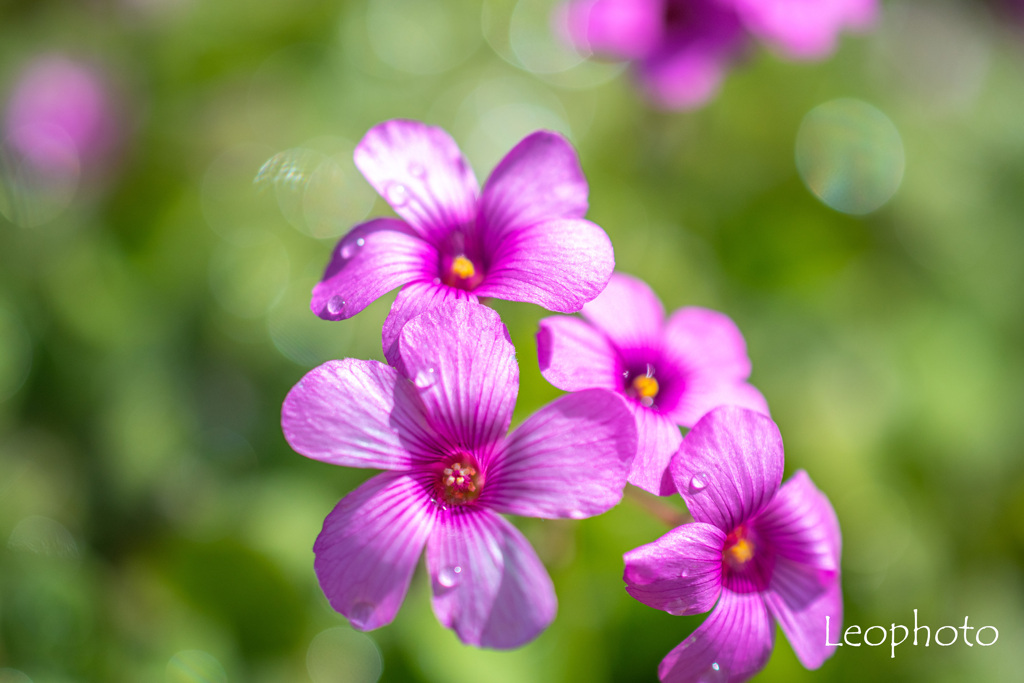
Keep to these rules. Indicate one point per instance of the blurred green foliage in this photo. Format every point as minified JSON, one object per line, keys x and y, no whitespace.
{"x":158,"y":528}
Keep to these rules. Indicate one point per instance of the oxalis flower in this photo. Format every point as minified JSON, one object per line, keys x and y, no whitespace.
{"x":756,"y":552}
{"x":438,"y":426}
{"x":671,"y":372}
{"x":522,"y":239}
{"x":682,"y":49}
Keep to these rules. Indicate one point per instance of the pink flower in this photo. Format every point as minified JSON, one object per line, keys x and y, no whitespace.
{"x":758,"y":553}
{"x":438,"y":426}
{"x":672,"y":372}
{"x":682,"y":49}
{"x":60,"y":114}
{"x":805,"y":29}
{"x":522,"y":239}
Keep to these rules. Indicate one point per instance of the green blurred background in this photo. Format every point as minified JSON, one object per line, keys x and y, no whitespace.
{"x":155,"y":526}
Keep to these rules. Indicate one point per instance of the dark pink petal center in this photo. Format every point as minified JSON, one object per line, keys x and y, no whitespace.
{"x":463,"y":259}
{"x":459,"y":479}
{"x":653,"y":382}
{"x":461,"y":271}
{"x":747,"y":562}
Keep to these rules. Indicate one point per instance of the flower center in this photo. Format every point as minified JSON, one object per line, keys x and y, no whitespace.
{"x":643,"y":387}
{"x":460,"y":480}
{"x":739,"y":549}
{"x":460,"y":271}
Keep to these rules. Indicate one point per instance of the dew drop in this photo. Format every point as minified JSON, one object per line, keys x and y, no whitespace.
{"x":577,"y":514}
{"x":449,"y":576}
{"x":437,"y":280}
{"x":335,"y":305}
{"x":360,"y":612}
{"x":715,"y":666}
{"x":683,"y":574}
{"x":698,"y":482}
{"x":425,"y":378}
{"x":677,"y":608}
{"x":397,"y":195}
{"x":349,"y":247}
{"x":417,"y":170}
{"x":646,"y":401}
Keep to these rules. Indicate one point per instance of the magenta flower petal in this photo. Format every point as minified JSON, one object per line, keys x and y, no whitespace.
{"x":707,"y":342}
{"x":537,"y":474}
{"x":370,"y":261}
{"x":413,"y":299}
{"x":461,"y":358}
{"x":574,"y":355}
{"x":732,"y":644}
{"x":357,"y":413}
{"x":558,"y":264}
{"x":729,"y":466}
{"x":628,"y":312}
{"x":367,"y":552}
{"x":622,"y":29}
{"x":804,"y":29}
{"x":704,"y":392}
{"x":421,"y":173}
{"x":802,"y":618}
{"x":801,"y":526}
{"x":658,"y":439}
{"x":538,"y":181}
{"x":688,"y":75}
{"x":681,"y":572}
{"x":488,"y":584}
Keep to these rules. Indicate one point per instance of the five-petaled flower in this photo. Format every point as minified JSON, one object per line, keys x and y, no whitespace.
{"x":438,"y":424}
{"x":760,"y":551}
{"x":672,"y":372}
{"x":683,"y":48}
{"x":522,"y":239}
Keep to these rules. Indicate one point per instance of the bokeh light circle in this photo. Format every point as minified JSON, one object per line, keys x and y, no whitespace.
{"x":13,"y":676}
{"x":850,"y":155}
{"x":341,"y":655}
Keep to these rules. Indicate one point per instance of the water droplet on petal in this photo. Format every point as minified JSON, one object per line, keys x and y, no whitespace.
{"x":349,"y":247}
{"x":437,"y":280}
{"x":397,"y":195}
{"x":698,"y":482}
{"x":683,"y":574}
{"x":677,"y":608}
{"x":449,"y":576}
{"x":335,"y":305}
{"x":715,"y":666}
{"x":577,"y":514}
{"x":425,"y":378}
{"x":417,"y":171}
{"x":360,"y":612}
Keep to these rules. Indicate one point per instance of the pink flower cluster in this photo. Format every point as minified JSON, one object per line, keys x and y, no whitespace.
{"x":436,"y":420}
{"x":682,"y":49}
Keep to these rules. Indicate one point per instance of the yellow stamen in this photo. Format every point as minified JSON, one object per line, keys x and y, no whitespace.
{"x":463,"y":267}
{"x":741,"y":551}
{"x":645,"y":387}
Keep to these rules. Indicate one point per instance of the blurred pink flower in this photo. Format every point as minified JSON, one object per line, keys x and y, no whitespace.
{"x":438,"y":424}
{"x":60,"y":115}
{"x":671,"y":371}
{"x":682,"y":49}
{"x":757,"y":552}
